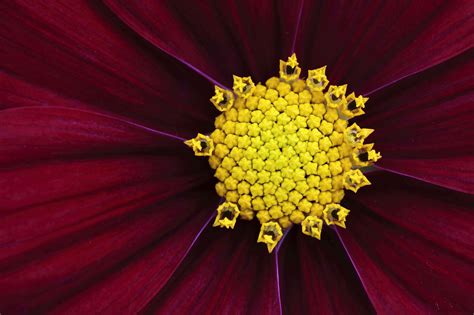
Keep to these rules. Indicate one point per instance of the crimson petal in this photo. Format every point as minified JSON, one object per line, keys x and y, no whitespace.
{"x":216,"y":38}
{"x":412,"y":245}
{"x":226,"y":272}
{"x":423,"y":125}
{"x":114,"y":258}
{"x":39,"y":133}
{"x":317,"y":277}
{"x":372,"y":44}
{"x":78,"y":50}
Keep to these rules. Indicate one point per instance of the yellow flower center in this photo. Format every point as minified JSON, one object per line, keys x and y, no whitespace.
{"x":283,"y":152}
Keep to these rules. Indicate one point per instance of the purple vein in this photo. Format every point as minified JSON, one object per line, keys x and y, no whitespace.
{"x":298,"y":20}
{"x":277,"y":267}
{"x":353,"y":263}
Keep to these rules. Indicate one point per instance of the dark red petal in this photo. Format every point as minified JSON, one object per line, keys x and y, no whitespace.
{"x":412,"y":245}
{"x":423,"y":125}
{"x":216,"y":38}
{"x":113,"y":259}
{"x":77,"y":50}
{"x":38,"y":133}
{"x":227,"y":272}
{"x":318,"y":278}
{"x":372,"y":44}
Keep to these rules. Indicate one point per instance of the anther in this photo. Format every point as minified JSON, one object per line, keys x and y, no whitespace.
{"x":364,"y":155}
{"x":227,"y":214}
{"x":336,"y":95}
{"x":270,"y":234}
{"x":202,"y":145}
{"x":354,"y":179}
{"x":312,"y":226}
{"x":243,"y":86}
{"x":317,"y":80}
{"x":355,"y":135}
{"x":335,"y":214}
{"x":289,"y":70}
{"x":354,"y":106}
{"x":222,"y":99}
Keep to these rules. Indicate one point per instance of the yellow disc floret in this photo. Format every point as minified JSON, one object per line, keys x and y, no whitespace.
{"x":283,"y":152}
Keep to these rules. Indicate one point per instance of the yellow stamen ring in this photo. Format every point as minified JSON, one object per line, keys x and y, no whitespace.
{"x":283,"y":152}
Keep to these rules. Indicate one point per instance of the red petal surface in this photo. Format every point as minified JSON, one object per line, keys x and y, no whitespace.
{"x":423,"y":125}
{"x":227,"y":272}
{"x":412,"y":245}
{"x":372,"y":44}
{"x":216,"y":38}
{"x":318,"y":278}
{"x":39,"y":133}
{"x":113,"y":259}
{"x":79,"y":50}
{"x":82,"y":206}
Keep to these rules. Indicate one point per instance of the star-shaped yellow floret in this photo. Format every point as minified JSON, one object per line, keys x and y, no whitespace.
{"x":354,"y":106}
{"x":335,"y":214}
{"x":227,"y":214}
{"x":312,"y":226}
{"x":270,"y":234}
{"x":354,"y":179}
{"x":317,"y":79}
{"x":336,"y":95}
{"x":222,"y":99}
{"x":243,"y":86}
{"x":202,"y":145}
{"x":289,"y":70}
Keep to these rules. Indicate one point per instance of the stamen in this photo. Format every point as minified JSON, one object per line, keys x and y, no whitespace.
{"x":335,"y":214}
{"x":227,"y":214}
{"x":270,"y":234}
{"x":243,"y":86}
{"x":354,"y":179}
{"x":336,"y":95}
{"x":289,"y":70}
{"x":222,"y":99}
{"x":202,"y":145}
{"x":365,"y":156}
{"x":354,"y":105}
{"x":317,"y":80}
{"x":312,"y":226}
{"x":283,"y":152}
{"x":356,"y":135}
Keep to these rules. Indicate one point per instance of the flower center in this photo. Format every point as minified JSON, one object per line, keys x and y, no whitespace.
{"x":283,"y":152}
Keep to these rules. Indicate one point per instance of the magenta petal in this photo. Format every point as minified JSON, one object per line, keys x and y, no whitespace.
{"x":80,"y":52}
{"x":227,"y":272}
{"x":111,"y":260}
{"x":38,"y":133}
{"x":318,"y":278}
{"x":423,"y":125}
{"x":216,"y":38}
{"x":372,"y":44}
{"x":412,"y":245}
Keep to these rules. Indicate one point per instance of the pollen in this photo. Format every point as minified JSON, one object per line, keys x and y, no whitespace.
{"x":284,"y":153}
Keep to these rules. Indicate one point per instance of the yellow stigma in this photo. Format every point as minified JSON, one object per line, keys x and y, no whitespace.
{"x":283,"y":152}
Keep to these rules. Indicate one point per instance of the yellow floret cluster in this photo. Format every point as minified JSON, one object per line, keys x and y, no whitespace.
{"x":283,"y":152}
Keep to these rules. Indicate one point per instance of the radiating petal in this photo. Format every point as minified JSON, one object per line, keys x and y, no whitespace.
{"x":38,"y":133}
{"x":114,"y":258}
{"x":372,"y":44}
{"x":216,"y":38}
{"x":227,"y":272}
{"x":412,"y":244}
{"x":318,"y":278}
{"x":80,"y":51}
{"x":424,"y":125}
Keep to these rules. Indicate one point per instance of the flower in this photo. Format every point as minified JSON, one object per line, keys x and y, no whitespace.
{"x":104,"y":210}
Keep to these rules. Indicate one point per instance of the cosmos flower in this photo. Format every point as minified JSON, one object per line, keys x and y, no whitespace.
{"x":105,"y":210}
